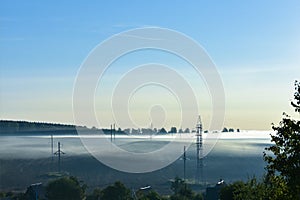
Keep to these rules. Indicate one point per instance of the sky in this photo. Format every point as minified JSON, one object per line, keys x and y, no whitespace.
{"x":255,"y":46}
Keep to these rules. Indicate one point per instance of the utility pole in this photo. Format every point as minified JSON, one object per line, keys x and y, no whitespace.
{"x":199,"y":144}
{"x":114,"y":131}
{"x":184,"y":160}
{"x":111,"y":133}
{"x":52,"y":147}
{"x":59,"y":152}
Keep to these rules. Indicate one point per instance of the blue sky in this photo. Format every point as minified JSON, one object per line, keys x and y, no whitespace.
{"x":254,"y":44}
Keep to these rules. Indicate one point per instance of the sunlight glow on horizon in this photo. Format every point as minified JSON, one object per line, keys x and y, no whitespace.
{"x":255,"y":46}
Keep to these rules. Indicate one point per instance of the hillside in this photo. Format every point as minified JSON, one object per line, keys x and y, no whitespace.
{"x":9,"y":127}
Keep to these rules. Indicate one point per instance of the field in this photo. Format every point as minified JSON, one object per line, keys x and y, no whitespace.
{"x":26,"y":159}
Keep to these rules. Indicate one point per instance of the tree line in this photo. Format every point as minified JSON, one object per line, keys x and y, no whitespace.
{"x":70,"y":188}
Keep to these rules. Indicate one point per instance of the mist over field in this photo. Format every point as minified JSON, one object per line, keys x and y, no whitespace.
{"x":235,"y":156}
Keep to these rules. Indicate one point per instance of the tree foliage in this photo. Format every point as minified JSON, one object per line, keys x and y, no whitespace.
{"x":284,"y":159}
{"x":66,"y":188}
{"x":173,"y":130}
{"x":96,"y":194}
{"x":296,"y":103}
{"x":254,"y":189}
{"x":162,"y":130}
{"x":187,"y":130}
{"x":225,"y":129}
{"x":152,"y":195}
{"x":117,"y":191}
{"x":182,"y":191}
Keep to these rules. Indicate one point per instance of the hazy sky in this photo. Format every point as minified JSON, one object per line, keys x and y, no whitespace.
{"x":254,"y":44}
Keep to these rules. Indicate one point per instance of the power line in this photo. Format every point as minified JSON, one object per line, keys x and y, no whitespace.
{"x":58,"y":153}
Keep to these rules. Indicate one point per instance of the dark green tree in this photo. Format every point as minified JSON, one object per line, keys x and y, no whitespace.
{"x":250,"y":190}
{"x":284,"y":159}
{"x":296,"y":103}
{"x":225,"y":129}
{"x":152,"y":195}
{"x":162,"y":130}
{"x":229,"y":191}
{"x":182,"y":191}
{"x":187,"y":130}
{"x":118,"y":191}
{"x":173,"y":130}
{"x":177,"y":185}
{"x":66,"y":188}
{"x":95,"y":195}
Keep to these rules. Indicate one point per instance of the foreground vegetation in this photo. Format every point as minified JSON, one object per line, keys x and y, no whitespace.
{"x":282,"y":180}
{"x":70,"y":188}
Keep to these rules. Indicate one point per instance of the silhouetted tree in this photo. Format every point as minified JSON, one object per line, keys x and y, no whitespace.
{"x":95,"y":195}
{"x":66,"y":188}
{"x":254,"y":189}
{"x":118,"y":191}
{"x":151,"y":195}
{"x":147,"y":131}
{"x":187,"y":130}
{"x":285,"y":158}
{"x":251,"y":190}
{"x":177,"y":185}
{"x":173,"y":130}
{"x":228,"y":192}
{"x":225,"y":129}
{"x":162,"y":130}
{"x":296,"y":103}
{"x":182,"y":191}
{"x":135,"y":131}
{"x":127,"y":131}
